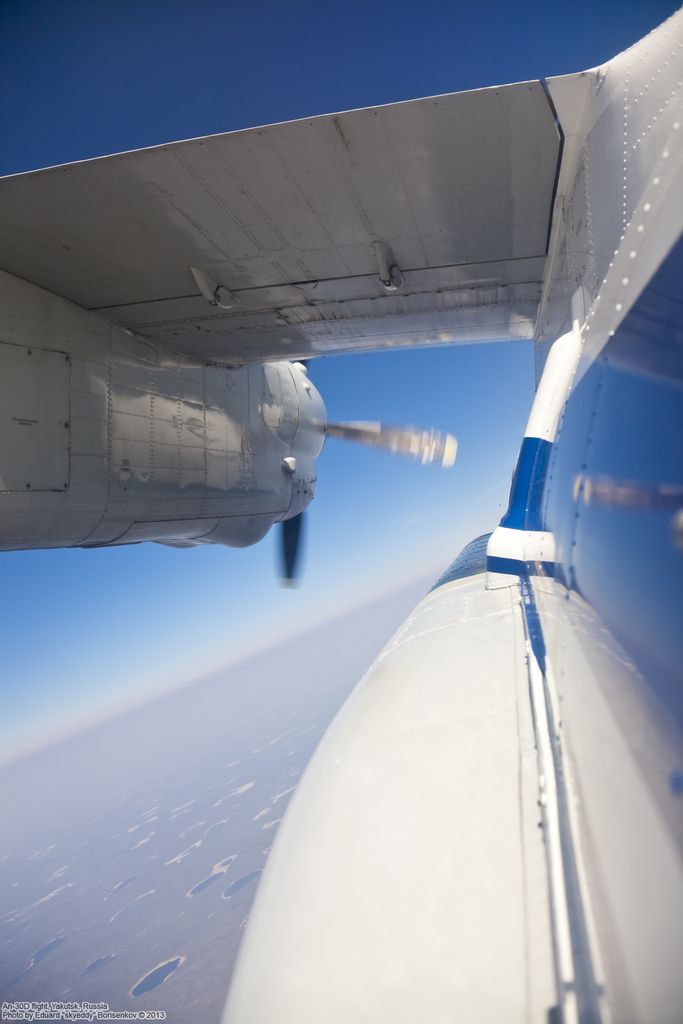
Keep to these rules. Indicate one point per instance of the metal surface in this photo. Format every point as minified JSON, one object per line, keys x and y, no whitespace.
{"x":619,"y":202}
{"x":34,"y":417}
{"x":595,"y":520}
{"x":521,"y":544}
{"x":408,"y":880}
{"x":613,"y":612}
{"x":287,"y":219}
{"x":160,"y":447}
{"x":380,"y":842}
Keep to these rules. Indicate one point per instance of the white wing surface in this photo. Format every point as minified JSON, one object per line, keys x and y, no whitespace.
{"x":294,"y":227}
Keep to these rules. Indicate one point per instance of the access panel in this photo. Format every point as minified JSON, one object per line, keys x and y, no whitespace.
{"x":34,"y":419}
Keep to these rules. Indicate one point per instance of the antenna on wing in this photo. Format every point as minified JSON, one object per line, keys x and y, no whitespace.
{"x":389,"y":274}
{"x":214,"y":293}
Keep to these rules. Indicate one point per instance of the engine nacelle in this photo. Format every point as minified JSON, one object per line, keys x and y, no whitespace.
{"x":109,"y":439}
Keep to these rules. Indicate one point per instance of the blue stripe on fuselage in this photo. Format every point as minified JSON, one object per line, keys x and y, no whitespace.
{"x":526,"y":494}
{"x":516,"y":567}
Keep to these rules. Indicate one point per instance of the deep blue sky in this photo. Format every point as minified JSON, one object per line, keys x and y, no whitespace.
{"x":79,"y":79}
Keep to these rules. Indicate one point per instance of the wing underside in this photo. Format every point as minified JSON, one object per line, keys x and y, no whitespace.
{"x":293,"y":221}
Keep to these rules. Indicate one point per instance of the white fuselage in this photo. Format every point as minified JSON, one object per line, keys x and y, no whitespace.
{"x":109,"y":439}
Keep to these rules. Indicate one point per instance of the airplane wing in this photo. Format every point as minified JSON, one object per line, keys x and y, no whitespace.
{"x":418,"y":222}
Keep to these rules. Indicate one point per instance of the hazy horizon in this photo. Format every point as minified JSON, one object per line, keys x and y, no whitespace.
{"x":138,"y":843}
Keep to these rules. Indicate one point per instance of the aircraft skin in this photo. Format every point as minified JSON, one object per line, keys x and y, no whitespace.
{"x":112,"y":440}
{"x":491,"y":827}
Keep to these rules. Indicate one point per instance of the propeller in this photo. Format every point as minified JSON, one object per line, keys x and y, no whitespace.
{"x":426,"y":446}
{"x":290,"y":536}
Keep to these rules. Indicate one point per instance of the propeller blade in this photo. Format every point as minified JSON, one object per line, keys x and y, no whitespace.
{"x":427,"y":446}
{"x":290,"y":550}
